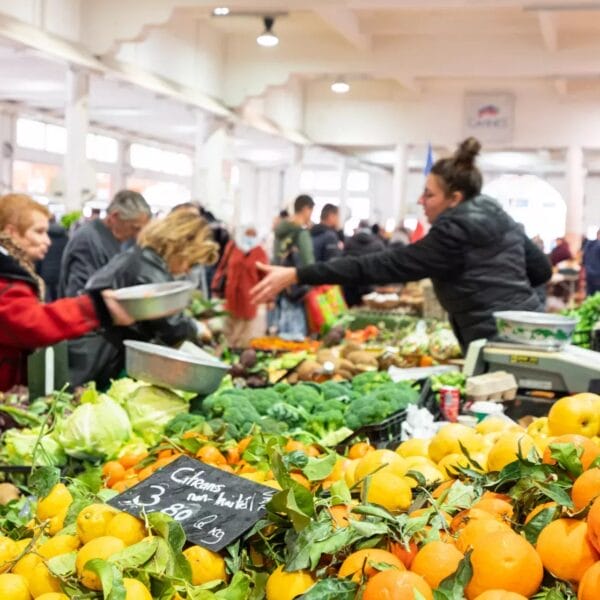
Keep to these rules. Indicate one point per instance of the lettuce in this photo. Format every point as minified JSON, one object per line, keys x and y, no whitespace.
{"x":98,"y":428}
{"x":18,"y":446}
{"x":150,"y":408}
{"x":121,"y":389}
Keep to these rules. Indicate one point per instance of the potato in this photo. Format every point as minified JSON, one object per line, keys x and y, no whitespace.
{"x":307,"y":370}
{"x":8,"y":492}
{"x":349,"y":348}
{"x":361,"y":357}
{"x":324,"y":356}
{"x":342,"y":374}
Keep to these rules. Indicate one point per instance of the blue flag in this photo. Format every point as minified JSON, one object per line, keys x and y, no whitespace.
{"x":428,"y":160}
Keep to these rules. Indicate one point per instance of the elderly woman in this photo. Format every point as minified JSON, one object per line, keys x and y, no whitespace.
{"x":26,"y":323}
{"x":166,"y":248}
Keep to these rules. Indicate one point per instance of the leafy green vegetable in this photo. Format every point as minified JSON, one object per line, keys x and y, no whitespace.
{"x":18,"y":447}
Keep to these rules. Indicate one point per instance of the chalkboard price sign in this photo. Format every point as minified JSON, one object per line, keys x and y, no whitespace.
{"x":213,"y":507}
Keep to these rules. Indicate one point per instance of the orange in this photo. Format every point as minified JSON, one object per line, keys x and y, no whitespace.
{"x":496,"y":496}
{"x":479,"y":530}
{"x":574,"y":414}
{"x":586,"y":488}
{"x":539,"y":508}
{"x":593,"y":522}
{"x":396,"y":585}
{"x":442,"y":488}
{"x":232,"y":455}
{"x":406,"y":555}
{"x":589,"y":586}
{"x":565,"y":549}
{"x":294,"y":446}
{"x":496,"y":507}
{"x":590,"y":451}
{"x":243,"y":444}
{"x":359,"y":563}
{"x":505,"y":561}
{"x":212,"y":455}
{"x":341,"y":515}
{"x":131,"y":460}
{"x":112,"y":472}
{"x":500,"y":595}
{"x":299,"y":478}
{"x":435,"y":561}
{"x":472,"y":514}
{"x":359,"y":450}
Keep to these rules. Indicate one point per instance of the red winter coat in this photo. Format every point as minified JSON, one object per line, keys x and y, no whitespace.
{"x":26,"y":323}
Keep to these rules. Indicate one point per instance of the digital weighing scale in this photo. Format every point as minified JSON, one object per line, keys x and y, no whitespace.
{"x":562,"y":371}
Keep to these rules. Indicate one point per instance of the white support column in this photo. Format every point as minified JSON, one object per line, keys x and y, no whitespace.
{"x":7,"y":148}
{"x":76,"y":124}
{"x":343,"y":192}
{"x":576,"y":186}
{"x":291,"y":179}
{"x":124,"y":168}
{"x":204,"y":125}
{"x":399,"y":183}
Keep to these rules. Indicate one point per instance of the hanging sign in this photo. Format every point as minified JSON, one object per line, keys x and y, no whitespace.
{"x":489,"y":116}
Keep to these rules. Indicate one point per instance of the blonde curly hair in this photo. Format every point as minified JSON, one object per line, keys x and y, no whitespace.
{"x":181,"y":235}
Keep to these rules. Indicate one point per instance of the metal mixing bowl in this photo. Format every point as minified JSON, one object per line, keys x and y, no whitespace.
{"x":535,"y":329}
{"x":199,"y":372}
{"x":155,"y":300}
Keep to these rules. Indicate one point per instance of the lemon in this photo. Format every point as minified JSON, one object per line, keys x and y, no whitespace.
{"x":256,"y":476}
{"x":56,"y":501}
{"x":53,"y":596}
{"x":26,"y":564}
{"x":429,"y":471}
{"x":127,"y":528}
{"x":413,"y":447}
{"x":60,"y":544}
{"x":101,"y":547}
{"x":492,"y":425}
{"x":350,"y":472}
{"x":8,"y":552}
{"x":136,"y":590}
{"x":575,"y":414}
{"x":57,"y":522}
{"x":93,"y":520}
{"x":380,"y":460}
{"x":41,"y":581}
{"x":388,"y":490}
{"x":538,"y":426}
{"x":205,"y":564}
{"x":286,"y":586}
{"x":14,"y":587}
{"x":504,"y":451}
{"x":449,"y":438}
{"x":449,"y":463}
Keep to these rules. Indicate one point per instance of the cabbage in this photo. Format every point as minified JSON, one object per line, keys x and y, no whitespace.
{"x":18,"y":446}
{"x":98,"y":428}
{"x":121,"y":389}
{"x":150,"y":408}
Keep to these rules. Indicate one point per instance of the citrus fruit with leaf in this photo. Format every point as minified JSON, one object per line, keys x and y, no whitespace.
{"x":367,"y":563}
{"x":593,"y":523}
{"x":287,"y":586}
{"x":589,"y":586}
{"x":8,"y":552}
{"x":574,"y":414}
{"x":135,"y":590}
{"x":206,"y":565}
{"x":14,"y":587}
{"x":380,"y":461}
{"x":435,"y":561}
{"x":586,"y":488}
{"x":388,"y":490}
{"x":128,"y":528}
{"x":507,"y":448}
{"x":56,"y":501}
{"x":450,"y":438}
{"x":100,"y":547}
{"x":59,"y":544}
{"x":396,"y":585}
{"x":93,"y":520}
{"x":500,"y":595}
{"x":41,"y":581}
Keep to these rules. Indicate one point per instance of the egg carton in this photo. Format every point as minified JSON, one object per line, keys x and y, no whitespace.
{"x":496,"y":386}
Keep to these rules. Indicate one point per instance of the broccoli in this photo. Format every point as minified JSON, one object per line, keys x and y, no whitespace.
{"x":215,"y":404}
{"x":183,"y":422}
{"x":304,"y":395}
{"x":335,"y":389}
{"x":366,"y":382}
{"x":325,"y":421}
{"x":294,"y":416}
{"x":240,"y":416}
{"x":263,"y":399}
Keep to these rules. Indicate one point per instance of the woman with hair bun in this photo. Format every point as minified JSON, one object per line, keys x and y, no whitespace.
{"x":476,"y":255}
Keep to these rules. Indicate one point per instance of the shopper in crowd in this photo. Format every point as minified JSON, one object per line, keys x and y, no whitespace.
{"x":364,"y":241}
{"x":591,"y":263}
{"x":49,"y":267}
{"x":166,"y":248}
{"x":26,"y":323}
{"x":477,"y":257}
{"x":96,"y":242}
{"x":293,"y":248}
{"x":400,"y":237}
{"x":560,"y":252}
{"x":236,"y":276}
{"x":325,"y":239}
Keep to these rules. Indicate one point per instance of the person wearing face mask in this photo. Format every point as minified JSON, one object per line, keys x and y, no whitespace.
{"x":237,"y":275}
{"x":166,"y":248}
{"x":26,"y":323}
{"x":476,"y":255}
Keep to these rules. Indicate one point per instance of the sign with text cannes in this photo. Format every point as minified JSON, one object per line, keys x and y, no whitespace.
{"x":213,"y":507}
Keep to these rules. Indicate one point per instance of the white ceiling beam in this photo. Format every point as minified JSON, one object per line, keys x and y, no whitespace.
{"x":561,"y":86}
{"x":346,"y":23}
{"x":549,"y":29}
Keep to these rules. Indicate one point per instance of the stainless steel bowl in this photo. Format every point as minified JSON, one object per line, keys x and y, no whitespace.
{"x":155,"y":300}
{"x":536,"y":329}
{"x":199,"y":372}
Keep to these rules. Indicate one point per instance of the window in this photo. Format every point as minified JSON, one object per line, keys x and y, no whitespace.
{"x":160,"y":195}
{"x":36,"y":179}
{"x":358,"y":181}
{"x":358,"y":209}
{"x":102,"y":148}
{"x":38,"y":135}
{"x":103,"y":187}
{"x":163,"y":161}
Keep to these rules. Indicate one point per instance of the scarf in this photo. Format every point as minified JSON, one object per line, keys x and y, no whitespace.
{"x":18,"y":255}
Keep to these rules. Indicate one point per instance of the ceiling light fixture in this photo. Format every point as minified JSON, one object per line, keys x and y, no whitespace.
{"x":221,"y":11}
{"x":340,"y":86}
{"x":267,"y":38}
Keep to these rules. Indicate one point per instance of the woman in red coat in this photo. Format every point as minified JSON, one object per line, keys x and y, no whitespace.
{"x":238,"y":270}
{"x":26,"y":323}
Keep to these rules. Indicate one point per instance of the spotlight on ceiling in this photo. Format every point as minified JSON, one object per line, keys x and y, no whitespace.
{"x":221,"y":11}
{"x":340,"y":86}
{"x":267,"y":38}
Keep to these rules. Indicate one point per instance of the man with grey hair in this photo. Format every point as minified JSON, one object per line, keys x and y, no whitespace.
{"x":96,"y":242}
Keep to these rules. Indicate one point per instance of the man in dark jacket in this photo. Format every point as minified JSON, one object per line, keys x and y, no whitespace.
{"x":49,"y":268}
{"x":96,"y":242}
{"x":325,"y":239}
{"x":591,"y":262}
{"x":364,"y":241}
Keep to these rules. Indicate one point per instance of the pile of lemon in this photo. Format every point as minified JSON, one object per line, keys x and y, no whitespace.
{"x":101,"y":532}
